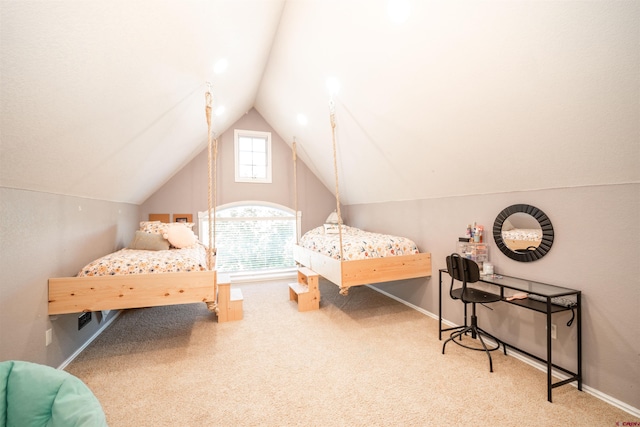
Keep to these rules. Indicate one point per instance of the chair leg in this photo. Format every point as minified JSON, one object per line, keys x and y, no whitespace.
{"x":455,"y":335}
{"x":486,"y":351}
{"x":475,"y":332}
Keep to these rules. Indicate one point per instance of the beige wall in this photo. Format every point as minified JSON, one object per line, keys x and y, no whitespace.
{"x":597,"y":236}
{"x":186,"y":192}
{"x":48,"y":235}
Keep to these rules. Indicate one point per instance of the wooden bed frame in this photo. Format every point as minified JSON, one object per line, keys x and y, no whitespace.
{"x":95,"y":293}
{"x":346,"y":274}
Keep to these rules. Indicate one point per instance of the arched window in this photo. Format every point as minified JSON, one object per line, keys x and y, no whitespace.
{"x":252,"y":236}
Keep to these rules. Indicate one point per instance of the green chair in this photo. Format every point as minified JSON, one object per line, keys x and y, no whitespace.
{"x":33,"y":395}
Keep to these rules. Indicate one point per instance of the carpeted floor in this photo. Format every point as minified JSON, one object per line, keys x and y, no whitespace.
{"x":360,"y":360}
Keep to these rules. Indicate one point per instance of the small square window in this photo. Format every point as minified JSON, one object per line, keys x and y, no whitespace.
{"x":252,"y":156}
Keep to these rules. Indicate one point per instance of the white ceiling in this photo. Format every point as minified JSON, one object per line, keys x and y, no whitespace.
{"x":105,"y":99}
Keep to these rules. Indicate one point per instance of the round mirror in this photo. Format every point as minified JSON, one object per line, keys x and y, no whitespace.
{"x":523,"y":233}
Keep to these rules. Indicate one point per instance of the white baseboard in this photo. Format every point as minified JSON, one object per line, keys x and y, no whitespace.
{"x":89,"y":341}
{"x":529,"y":360}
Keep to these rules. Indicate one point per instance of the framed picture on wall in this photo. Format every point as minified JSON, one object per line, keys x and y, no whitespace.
{"x":182,"y":218}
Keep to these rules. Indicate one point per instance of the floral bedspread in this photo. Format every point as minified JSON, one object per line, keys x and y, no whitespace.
{"x":357,"y":244}
{"x":131,"y":261}
{"x":529,"y":235}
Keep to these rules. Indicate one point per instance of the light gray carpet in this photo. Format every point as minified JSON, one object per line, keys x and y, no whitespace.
{"x":360,"y":360}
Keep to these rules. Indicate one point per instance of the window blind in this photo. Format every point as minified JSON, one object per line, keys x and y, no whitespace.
{"x":252,"y":238}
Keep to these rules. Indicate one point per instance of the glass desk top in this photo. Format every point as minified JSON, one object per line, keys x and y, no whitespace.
{"x":528,"y":286}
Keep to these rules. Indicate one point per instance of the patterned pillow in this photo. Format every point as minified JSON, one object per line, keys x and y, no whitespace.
{"x":335,"y":229}
{"x":153,"y":227}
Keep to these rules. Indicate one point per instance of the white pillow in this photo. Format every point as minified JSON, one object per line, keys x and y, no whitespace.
{"x":331,"y":229}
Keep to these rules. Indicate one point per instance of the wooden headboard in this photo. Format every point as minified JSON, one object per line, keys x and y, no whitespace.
{"x":160,"y":217}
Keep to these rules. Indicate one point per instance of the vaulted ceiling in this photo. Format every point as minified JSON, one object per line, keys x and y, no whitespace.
{"x":105,"y":99}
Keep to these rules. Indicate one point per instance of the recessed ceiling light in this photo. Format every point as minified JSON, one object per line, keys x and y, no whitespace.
{"x":302,"y":119}
{"x":220,"y":66}
{"x":333,"y":85}
{"x":398,"y":11}
{"x":220,"y":110}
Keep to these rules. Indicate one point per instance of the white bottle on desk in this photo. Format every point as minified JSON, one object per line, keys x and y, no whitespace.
{"x":487,"y":269}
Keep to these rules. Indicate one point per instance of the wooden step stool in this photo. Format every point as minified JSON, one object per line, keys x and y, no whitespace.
{"x":305,"y":292}
{"x":229,"y":300}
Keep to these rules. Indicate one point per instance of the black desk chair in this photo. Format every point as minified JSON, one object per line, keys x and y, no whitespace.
{"x":466,"y":271}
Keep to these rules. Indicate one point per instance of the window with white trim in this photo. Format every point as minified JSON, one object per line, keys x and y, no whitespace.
{"x":252,"y":236}
{"x":252,"y":156}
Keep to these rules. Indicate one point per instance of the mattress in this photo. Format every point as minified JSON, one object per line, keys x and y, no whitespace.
{"x":529,"y":235}
{"x":133,"y":261}
{"x":357,"y":244}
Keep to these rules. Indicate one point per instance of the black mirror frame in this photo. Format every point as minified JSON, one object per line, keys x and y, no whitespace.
{"x":545,"y":225}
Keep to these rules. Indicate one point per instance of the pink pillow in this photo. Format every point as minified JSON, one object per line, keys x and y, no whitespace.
{"x":179,"y":235}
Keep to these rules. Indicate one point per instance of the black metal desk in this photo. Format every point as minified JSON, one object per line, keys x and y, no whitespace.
{"x":547,"y":292}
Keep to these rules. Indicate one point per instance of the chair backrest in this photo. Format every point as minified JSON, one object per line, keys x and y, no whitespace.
{"x":463,"y":270}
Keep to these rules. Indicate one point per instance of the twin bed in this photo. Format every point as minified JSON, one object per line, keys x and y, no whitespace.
{"x":149,"y":273}
{"x":364,"y":258}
